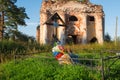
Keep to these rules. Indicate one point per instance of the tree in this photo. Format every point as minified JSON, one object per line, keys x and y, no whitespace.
{"x":22,"y":37}
{"x":18,"y":36}
{"x":11,"y":16}
{"x":107,"y":38}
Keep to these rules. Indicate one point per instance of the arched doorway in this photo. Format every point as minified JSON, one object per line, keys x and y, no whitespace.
{"x":94,"y":40}
{"x":71,"y":39}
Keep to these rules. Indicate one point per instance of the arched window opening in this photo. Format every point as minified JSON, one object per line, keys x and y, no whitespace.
{"x":71,"y":39}
{"x":73,"y":18}
{"x":93,"y":40}
{"x":91,"y":18}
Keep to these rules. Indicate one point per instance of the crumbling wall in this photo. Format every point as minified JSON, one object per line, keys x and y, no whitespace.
{"x":78,"y":20}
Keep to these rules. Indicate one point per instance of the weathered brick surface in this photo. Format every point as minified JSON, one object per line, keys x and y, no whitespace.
{"x":86,"y":21}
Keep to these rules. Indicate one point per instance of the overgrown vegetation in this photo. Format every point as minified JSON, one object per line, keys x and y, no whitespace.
{"x":47,"y":68}
{"x":8,"y":49}
{"x":94,"y":48}
{"x":43,"y":66}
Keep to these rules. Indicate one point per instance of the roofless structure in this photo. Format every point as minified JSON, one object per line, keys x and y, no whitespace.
{"x":70,"y":21}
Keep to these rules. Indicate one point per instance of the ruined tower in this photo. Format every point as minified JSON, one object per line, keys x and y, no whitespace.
{"x":76,"y":21}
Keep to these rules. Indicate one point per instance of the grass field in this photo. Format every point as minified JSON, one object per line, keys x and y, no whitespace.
{"x":43,"y":66}
{"x":38,"y":68}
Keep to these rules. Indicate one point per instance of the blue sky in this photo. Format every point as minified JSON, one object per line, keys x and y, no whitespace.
{"x":111,"y":10}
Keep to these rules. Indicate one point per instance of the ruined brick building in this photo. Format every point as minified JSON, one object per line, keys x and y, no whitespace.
{"x":76,"y":21}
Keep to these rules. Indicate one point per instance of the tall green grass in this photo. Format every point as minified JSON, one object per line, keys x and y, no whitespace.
{"x":45,"y":69}
{"x":8,"y":49}
{"x":93,"y":48}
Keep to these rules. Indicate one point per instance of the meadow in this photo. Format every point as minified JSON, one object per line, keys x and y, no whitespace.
{"x":39,"y":64}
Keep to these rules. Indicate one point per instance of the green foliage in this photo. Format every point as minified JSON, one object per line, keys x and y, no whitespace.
{"x":114,"y":71}
{"x":39,"y":68}
{"x":8,"y":47}
{"x":45,"y":69}
{"x":93,"y":48}
{"x":13,"y":15}
{"x":107,"y":38}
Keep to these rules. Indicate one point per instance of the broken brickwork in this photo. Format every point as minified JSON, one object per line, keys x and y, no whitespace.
{"x":83,"y":22}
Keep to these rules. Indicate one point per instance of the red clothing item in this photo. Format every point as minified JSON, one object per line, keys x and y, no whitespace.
{"x":59,"y":55}
{"x":61,"y":48}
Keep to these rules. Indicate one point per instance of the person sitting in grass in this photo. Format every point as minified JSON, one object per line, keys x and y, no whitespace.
{"x":59,"y":53}
{"x":74,"y":57}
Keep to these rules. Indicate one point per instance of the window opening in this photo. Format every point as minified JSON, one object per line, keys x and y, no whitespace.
{"x":73,"y":18}
{"x":91,"y":18}
{"x":93,"y":40}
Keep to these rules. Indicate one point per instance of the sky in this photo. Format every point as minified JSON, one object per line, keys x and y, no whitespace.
{"x":110,"y":7}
